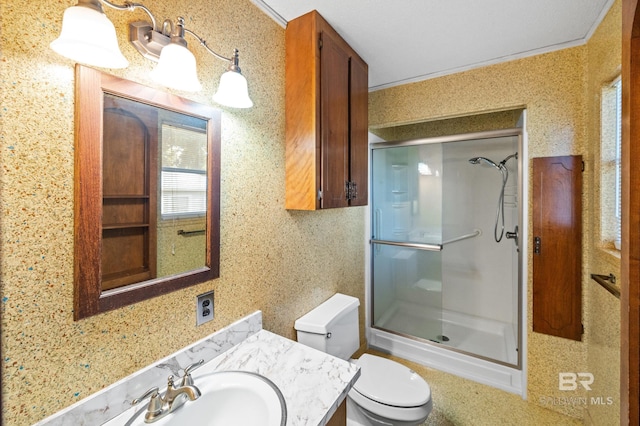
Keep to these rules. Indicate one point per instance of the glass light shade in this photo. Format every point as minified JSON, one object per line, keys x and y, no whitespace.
{"x":89,"y":37}
{"x":176,"y":69}
{"x":233,"y":91}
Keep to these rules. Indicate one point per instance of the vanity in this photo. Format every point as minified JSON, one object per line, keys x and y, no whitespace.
{"x":314,"y":385}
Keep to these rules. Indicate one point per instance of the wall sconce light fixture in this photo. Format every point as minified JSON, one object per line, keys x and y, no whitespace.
{"x":89,"y":37}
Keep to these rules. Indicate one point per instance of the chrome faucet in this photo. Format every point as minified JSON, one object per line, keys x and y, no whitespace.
{"x":173,"y":398}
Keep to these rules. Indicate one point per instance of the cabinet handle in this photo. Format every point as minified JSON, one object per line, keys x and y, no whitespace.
{"x":351,"y":190}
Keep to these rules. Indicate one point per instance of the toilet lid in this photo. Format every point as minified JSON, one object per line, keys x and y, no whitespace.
{"x":391,"y":383}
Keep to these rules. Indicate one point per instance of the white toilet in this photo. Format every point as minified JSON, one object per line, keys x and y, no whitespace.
{"x":387,"y":393}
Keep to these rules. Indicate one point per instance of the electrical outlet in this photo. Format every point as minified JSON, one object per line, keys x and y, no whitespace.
{"x":204,"y":307}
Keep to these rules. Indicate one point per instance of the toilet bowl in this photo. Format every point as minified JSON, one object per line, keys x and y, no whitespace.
{"x":387,"y":392}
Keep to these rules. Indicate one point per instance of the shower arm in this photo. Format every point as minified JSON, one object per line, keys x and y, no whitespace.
{"x":514,"y":155}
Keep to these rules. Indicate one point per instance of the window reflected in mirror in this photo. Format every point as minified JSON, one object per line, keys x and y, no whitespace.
{"x":183,"y":194}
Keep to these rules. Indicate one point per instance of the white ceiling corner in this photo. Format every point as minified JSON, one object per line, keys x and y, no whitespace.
{"x":415,"y":40}
{"x":270,"y":12}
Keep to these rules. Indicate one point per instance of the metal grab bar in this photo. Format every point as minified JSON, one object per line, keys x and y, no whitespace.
{"x":378,"y":221}
{"x":419,"y":246}
{"x":607,"y":282}
{"x":475,"y":233}
{"x":188,"y":233}
{"x":427,"y":247}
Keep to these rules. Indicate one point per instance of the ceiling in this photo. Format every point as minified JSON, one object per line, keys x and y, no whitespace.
{"x":412,"y":40}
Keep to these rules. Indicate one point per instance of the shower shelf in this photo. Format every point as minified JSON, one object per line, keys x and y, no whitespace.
{"x":427,"y":247}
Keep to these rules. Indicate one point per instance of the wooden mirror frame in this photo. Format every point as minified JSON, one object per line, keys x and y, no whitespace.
{"x":90,"y":88}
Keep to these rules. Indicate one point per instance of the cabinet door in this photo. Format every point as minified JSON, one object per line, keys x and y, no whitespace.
{"x":359,"y":144}
{"x":339,"y":418}
{"x":129,"y":193}
{"x":557,"y":246}
{"x":334,"y":119}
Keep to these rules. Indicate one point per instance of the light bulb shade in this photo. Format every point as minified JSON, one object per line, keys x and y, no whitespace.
{"x":176,"y":69}
{"x":89,"y":37}
{"x":232,"y":91}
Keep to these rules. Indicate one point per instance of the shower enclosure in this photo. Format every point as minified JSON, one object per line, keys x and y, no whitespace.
{"x":446,"y":263}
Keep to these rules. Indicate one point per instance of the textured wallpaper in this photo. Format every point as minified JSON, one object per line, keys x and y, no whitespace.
{"x":282,"y":262}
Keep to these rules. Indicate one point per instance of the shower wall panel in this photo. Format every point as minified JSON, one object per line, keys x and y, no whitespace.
{"x":478,"y":272}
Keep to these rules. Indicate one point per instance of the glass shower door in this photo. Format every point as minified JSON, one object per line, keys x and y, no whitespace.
{"x":406,"y":210}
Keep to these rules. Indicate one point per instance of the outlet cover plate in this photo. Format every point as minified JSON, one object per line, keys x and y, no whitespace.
{"x":204,"y":307}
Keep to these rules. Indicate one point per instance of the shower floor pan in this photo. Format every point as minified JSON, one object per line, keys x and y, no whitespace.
{"x":482,"y":337}
{"x":476,"y":349}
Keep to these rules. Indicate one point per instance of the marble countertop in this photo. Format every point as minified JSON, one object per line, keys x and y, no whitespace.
{"x":313,"y":383}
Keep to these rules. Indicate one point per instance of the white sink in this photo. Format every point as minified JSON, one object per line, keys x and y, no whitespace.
{"x":235,"y":398}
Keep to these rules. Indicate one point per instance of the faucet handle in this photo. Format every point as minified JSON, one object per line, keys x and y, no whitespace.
{"x":170,"y":383}
{"x":155,"y":403}
{"x":193,"y":366}
{"x":186,"y":379}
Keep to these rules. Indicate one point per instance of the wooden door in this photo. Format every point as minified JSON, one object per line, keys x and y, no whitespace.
{"x":334,"y":119}
{"x":557,"y":246}
{"x":630,"y":287}
{"x":359,"y":120}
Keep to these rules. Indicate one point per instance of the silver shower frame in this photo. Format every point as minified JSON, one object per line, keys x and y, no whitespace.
{"x":522,"y":254}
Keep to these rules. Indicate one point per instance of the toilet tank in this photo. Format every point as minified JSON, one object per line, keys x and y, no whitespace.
{"x":332,"y":327}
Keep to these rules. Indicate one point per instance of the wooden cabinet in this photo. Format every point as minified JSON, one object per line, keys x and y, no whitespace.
{"x":557,"y":246}
{"x":326,"y":118}
{"x":129,"y":193}
{"x":339,"y":418}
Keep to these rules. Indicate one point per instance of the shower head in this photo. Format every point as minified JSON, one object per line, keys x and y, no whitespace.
{"x":478,"y":160}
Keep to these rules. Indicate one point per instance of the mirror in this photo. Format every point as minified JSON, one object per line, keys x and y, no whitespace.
{"x":147,"y":193}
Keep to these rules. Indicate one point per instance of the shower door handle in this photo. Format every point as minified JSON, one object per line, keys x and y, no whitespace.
{"x":377,"y":227}
{"x":536,"y":245}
